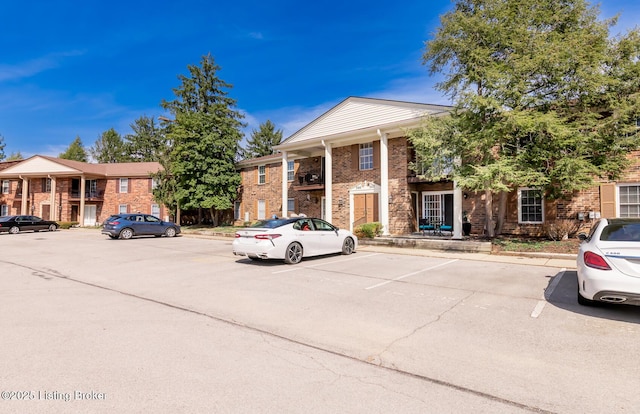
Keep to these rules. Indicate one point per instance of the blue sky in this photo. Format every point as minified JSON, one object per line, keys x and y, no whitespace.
{"x":70,"y":68}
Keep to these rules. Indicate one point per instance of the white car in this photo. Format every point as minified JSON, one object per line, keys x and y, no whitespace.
{"x":608,"y":263}
{"x":292,"y":239}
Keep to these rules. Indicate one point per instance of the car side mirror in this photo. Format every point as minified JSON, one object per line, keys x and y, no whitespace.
{"x":582,"y":236}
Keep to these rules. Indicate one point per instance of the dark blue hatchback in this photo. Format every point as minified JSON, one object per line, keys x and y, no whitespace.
{"x":126,"y":226}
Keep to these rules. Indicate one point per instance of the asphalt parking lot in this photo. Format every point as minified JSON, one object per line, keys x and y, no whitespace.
{"x":182,"y":325}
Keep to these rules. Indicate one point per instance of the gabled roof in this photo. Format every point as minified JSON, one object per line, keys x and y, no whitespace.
{"x":265,"y":159}
{"x":41,"y":165}
{"x":357,"y":115}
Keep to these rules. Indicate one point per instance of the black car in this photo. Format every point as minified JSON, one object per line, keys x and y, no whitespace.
{"x":16,"y":224}
{"x":125,"y":226}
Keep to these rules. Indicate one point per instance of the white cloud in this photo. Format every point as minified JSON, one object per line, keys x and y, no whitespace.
{"x":34,"y":66}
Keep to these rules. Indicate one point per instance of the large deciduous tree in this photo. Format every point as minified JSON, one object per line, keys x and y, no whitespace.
{"x":75,"y":151}
{"x":205,"y":136}
{"x":542,"y":96}
{"x":262,"y":140}
{"x":109,"y":148}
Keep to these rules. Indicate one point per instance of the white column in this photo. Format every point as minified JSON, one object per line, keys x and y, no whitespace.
{"x":328,"y":177}
{"x":25,"y":196}
{"x":384,"y":182}
{"x":53,"y":211}
{"x":285,"y":185}
{"x":457,"y":212}
{"x":82,"y":190}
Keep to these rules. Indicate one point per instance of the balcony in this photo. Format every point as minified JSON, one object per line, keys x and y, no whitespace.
{"x":309,"y":181}
{"x":88,"y":195}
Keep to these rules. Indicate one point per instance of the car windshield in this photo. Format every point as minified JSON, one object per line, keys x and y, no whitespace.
{"x":272,"y":224}
{"x":625,"y":232}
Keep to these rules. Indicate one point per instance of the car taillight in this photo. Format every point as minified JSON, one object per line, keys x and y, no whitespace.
{"x":595,"y":261}
{"x":238,"y":235}
{"x":113,"y":223}
{"x":267,"y":236}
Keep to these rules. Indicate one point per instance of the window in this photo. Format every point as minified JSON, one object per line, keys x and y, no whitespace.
{"x":155,"y":210}
{"x":91,"y":188}
{"x":154,"y":183}
{"x":290,"y":169}
{"x":122,"y":209}
{"x":366,"y":156}
{"x":629,"y":200}
{"x":124,"y":185}
{"x":6,"y":185}
{"x":236,"y":210}
{"x":291,"y":204}
{"x":262,"y":209}
{"x":530,"y":205}
{"x":4,"y":210}
{"x":46,"y":185}
{"x":262,"y":174}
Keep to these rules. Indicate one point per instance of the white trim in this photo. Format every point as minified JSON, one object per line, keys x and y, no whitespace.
{"x":520,"y":189}
{"x":618,"y":207}
{"x":366,"y":187}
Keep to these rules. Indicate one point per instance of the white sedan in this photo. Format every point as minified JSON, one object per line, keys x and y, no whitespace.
{"x":608,"y":263}
{"x":292,"y":239}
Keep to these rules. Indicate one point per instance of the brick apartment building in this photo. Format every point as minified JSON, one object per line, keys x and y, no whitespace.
{"x":351,"y":166}
{"x":73,"y":191}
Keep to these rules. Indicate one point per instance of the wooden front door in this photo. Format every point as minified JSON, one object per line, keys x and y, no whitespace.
{"x":46,"y":212}
{"x":365,"y":208}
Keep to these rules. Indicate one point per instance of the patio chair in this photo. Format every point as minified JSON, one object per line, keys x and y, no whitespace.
{"x":424,"y":226}
{"x":447,"y":228}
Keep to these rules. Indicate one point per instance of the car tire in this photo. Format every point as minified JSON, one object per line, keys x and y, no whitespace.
{"x":126,"y":234}
{"x":293,"y":254}
{"x":586,"y":302}
{"x":53,"y":227}
{"x":14,"y":230}
{"x":170,"y":232}
{"x":347,"y":246}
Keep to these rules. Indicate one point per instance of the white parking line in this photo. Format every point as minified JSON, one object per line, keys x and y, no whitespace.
{"x":411,"y":274}
{"x":537,"y":311}
{"x":293,"y":268}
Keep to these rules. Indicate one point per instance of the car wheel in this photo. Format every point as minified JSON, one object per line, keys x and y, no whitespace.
{"x":586,"y":302}
{"x":347,"y":246}
{"x":170,"y":232}
{"x":293,"y":254}
{"x":14,"y":230}
{"x":53,"y":227}
{"x":126,"y":234}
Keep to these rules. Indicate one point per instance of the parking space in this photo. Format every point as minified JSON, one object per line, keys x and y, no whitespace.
{"x":511,"y":332}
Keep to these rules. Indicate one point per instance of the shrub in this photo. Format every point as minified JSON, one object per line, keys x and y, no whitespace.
{"x":562,"y":229}
{"x":68,"y":224}
{"x":368,"y":230}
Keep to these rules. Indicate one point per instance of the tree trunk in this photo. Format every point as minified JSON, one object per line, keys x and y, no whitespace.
{"x":488,"y":208}
{"x":502,"y":212}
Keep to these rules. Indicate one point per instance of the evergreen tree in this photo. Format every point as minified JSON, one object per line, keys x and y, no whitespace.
{"x":109,"y":148}
{"x":75,"y":151}
{"x":542,"y":96}
{"x":15,"y":156}
{"x":147,"y":143}
{"x":262,"y":141}
{"x":205,"y":136}
{"x":2,"y":145}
